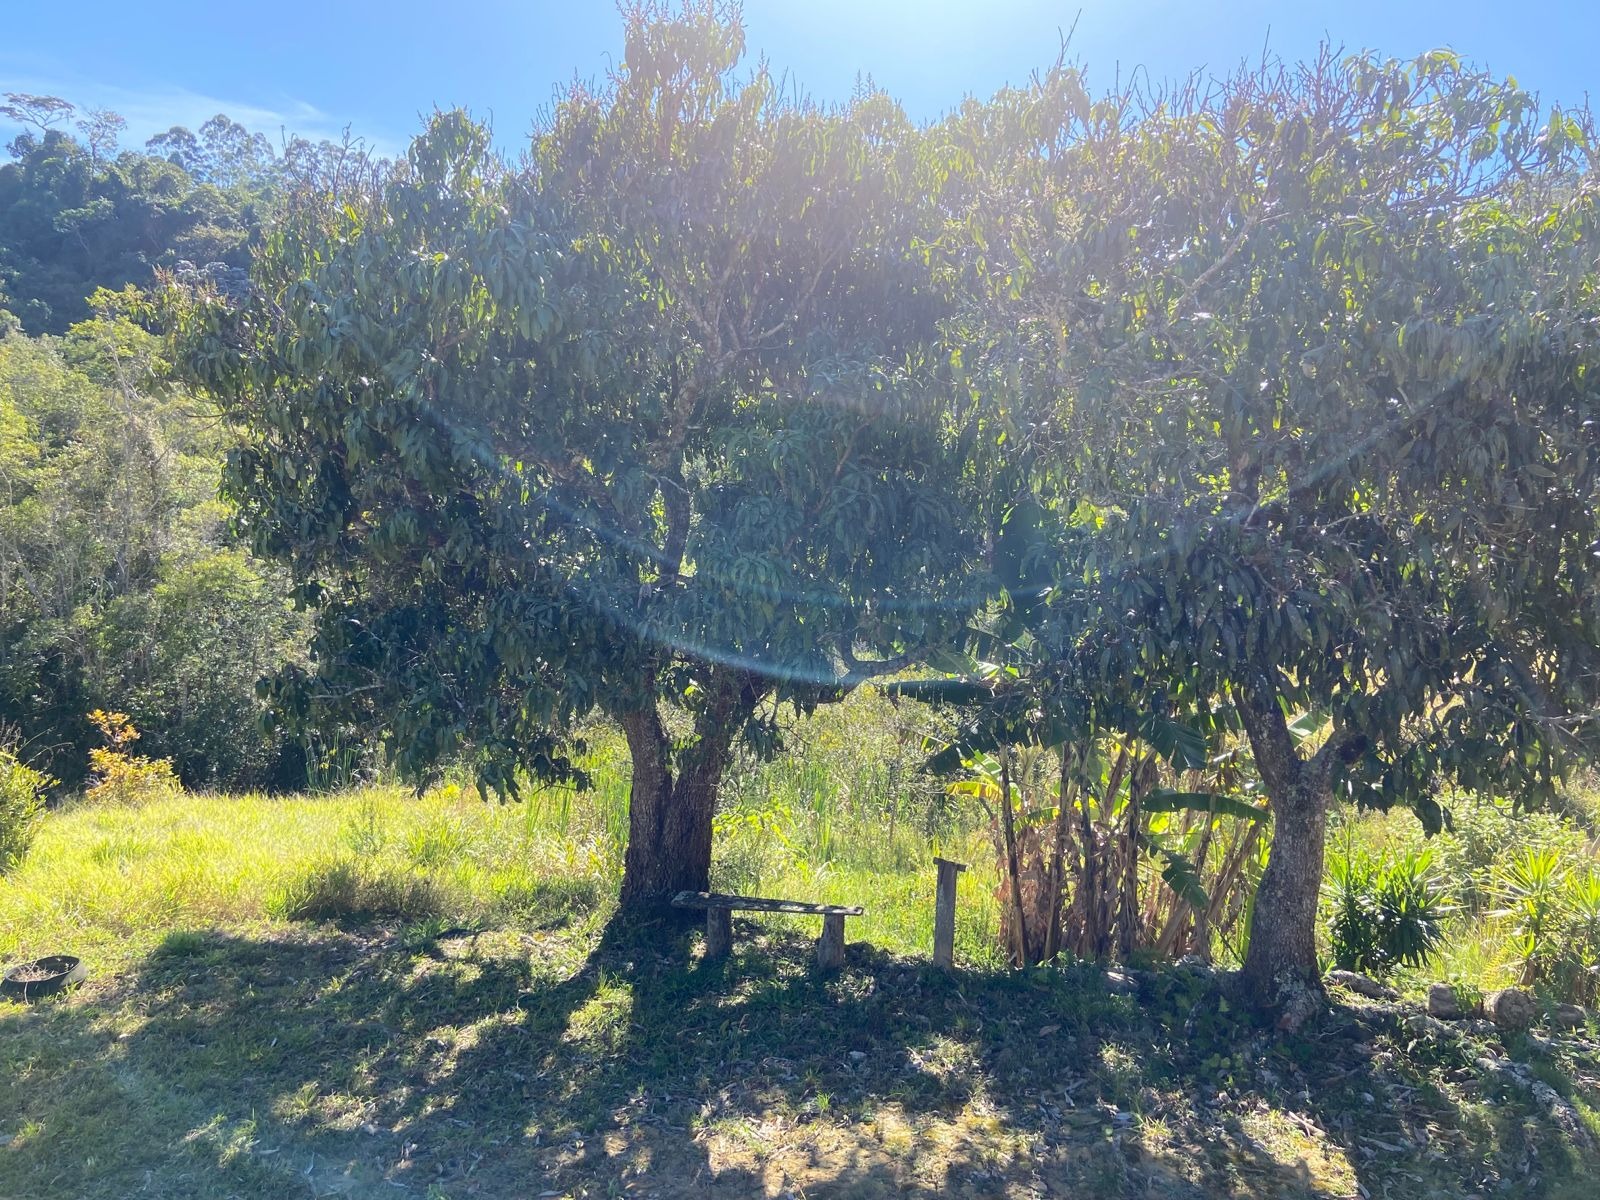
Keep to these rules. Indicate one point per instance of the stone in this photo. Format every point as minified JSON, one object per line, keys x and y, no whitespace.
{"x":1297,"y":1002}
{"x":1423,"y":1024}
{"x":1121,"y":983}
{"x":1569,"y":1016}
{"x":1442,"y":1002}
{"x":1512,"y":1009}
{"x":1361,"y":985}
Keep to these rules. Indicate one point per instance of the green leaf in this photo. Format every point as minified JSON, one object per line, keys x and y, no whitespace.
{"x":1167,"y":800}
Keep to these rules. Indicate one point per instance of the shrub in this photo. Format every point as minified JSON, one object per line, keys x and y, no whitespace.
{"x":183,"y":659}
{"x":21,"y":805}
{"x":119,"y":776}
{"x":1486,"y":835}
{"x":1554,"y":916}
{"x":1386,"y":912}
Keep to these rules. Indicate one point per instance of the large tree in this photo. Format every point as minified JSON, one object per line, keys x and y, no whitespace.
{"x":654,"y":420}
{"x":1311,"y":360}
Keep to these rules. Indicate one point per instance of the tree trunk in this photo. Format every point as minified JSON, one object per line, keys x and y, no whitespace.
{"x":1283,"y":932}
{"x":669,"y":820}
{"x":670,"y":811}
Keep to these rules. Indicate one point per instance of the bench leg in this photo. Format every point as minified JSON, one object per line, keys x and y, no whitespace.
{"x":719,"y":932}
{"x":944,"y":915}
{"x":830,"y":946}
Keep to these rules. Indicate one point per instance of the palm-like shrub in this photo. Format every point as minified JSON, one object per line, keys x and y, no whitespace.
{"x":1554,"y":916}
{"x":1386,"y":913}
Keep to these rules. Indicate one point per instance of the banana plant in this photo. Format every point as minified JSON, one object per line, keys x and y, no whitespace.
{"x":1131,"y":805}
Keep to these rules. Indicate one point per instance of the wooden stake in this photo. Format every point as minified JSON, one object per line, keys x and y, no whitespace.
{"x":830,"y":946}
{"x":719,"y":932}
{"x":944,"y":913}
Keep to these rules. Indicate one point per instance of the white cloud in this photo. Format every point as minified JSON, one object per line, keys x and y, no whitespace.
{"x":155,"y":110}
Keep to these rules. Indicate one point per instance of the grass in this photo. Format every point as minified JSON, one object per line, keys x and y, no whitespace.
{"x":379,"y":994}
{"x":113,"y":882}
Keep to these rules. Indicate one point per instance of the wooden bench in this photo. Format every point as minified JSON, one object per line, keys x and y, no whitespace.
{"x":719,"y":921}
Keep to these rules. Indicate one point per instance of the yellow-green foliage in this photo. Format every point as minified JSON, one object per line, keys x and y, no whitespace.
{"x":115,"y":880}
{"x":117,"y":775}
{"x":1524,"y":888}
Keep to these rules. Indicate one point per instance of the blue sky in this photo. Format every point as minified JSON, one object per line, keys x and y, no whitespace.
{"x":314,"y":68}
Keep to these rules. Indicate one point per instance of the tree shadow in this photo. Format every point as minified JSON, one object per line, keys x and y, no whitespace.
{"x":382,"y":1061}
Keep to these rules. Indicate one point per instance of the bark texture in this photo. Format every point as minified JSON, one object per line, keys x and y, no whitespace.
{"x":1283,"y":935}
{"x":672,"y":799}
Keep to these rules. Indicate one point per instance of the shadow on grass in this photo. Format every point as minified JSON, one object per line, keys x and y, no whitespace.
{"x":372,"y":1061}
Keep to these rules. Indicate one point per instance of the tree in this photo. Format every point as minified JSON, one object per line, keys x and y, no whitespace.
{"x":1312,"y":352}
{"x":100,"y":128}
{"x":657,"y":419}
{"x":74,"y":217}
{"x":41,"y":112}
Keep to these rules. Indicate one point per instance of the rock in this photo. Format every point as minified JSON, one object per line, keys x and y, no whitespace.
{"x":1121,"y":982}
{"x":1297,"y":1002}
{"x":1361,"y":985}
{"x":1569,"y":1016}
{"x":1539,"y":1045}
{"x":1442,"y":1002}
{"x":1517,"y":1075}
{"x":1422,"y":1023}
{"x":1512,"y":1009}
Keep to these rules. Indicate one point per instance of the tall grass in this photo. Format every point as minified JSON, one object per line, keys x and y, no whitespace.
{"x":842,"y":816}
{"x":836,"y":822}
{"x":115,"y":880}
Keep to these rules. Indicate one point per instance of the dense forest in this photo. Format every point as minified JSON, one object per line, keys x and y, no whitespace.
{"x":121,"y":585}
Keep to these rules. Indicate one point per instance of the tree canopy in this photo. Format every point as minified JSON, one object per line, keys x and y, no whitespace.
{"x":121,"y":586}
{"x":1310,"y":363}
{"x":660,"y":415}
{"x":77,"y":213}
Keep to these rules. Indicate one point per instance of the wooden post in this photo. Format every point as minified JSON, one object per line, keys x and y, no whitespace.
{"x":719,"y":932}
{"x":830,"y":946}
{"x":944,"y":913}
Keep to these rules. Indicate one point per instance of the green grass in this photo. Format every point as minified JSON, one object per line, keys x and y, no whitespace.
{"x":114,"y":882}
{"x":378,"y":994}
{"x":375,"y":994}
{"x":388,"y":1058}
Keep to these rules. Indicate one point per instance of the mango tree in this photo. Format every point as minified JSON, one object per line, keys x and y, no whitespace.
{"x":653,"y":420}
{"x":1310,"y":358}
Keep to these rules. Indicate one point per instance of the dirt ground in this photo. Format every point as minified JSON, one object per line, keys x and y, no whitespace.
{"x":383,"y":1062}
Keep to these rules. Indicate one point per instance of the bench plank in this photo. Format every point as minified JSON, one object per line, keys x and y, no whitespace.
{"x":717,"y":900}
